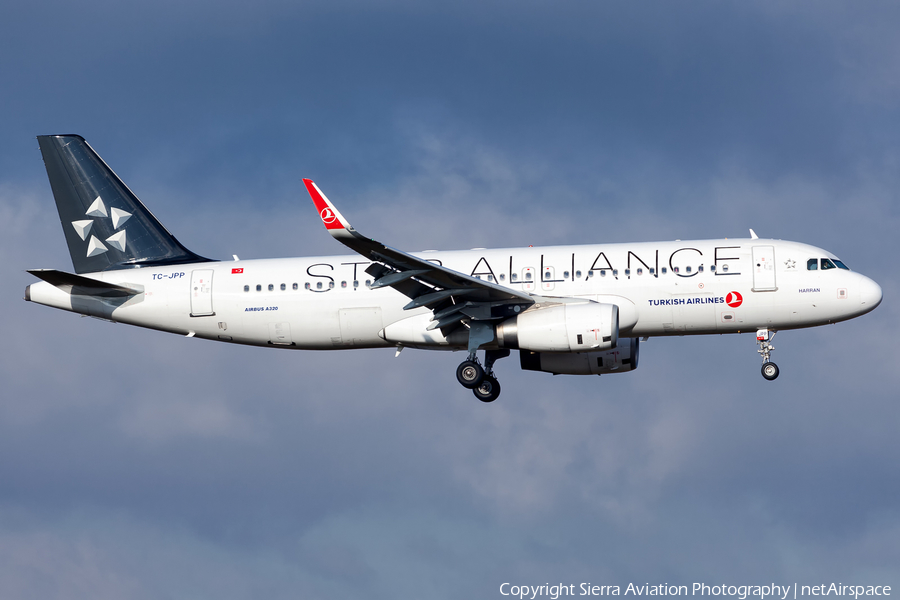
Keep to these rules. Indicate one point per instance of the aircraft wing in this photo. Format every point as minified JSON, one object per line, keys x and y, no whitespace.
{"x":453,"y":296}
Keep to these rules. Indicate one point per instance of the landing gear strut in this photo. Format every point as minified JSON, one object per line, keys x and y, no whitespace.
{"x":481,"y":380}
{"x":764,"y":339}
{"x":472,"y":375}
{"x":489,"y":389}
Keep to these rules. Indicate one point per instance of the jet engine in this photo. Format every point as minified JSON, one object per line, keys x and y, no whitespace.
{"x":582,"y":327}
{"x":622,"y":359}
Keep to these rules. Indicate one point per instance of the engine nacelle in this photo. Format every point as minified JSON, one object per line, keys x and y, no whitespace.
{"x":622,"y":359}
{"x":582,"y":327}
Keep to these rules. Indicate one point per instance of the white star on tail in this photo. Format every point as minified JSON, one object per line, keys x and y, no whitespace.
{"x":82,"y":228}
{"x":95,"y":247}
{"x":117,"y":240}
{"x":119,"y":217}
{"x":97,"y":209}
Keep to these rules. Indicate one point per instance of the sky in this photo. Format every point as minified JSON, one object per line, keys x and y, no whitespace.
{"x":140,"y":465}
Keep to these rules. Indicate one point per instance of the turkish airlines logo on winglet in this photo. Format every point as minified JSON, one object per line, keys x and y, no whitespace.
{"x":734,"y":299}
{"x":328,"y":216}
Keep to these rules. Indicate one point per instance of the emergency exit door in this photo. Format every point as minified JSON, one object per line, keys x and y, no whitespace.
{"x":201,"y":293}
{"x":764,"y":269}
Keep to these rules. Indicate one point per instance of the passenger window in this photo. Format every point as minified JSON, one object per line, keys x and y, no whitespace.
{"x":514,"y":277}
{"x":246,"y":288}
{"x":318,"y":285}
{"x":306,"y":285}
{"x":283,"y":287}
{"x":652,"y":270}
{"x":725,"y":269}
{"x":590,"y":273}
{"x":615,"y":272}
{"x":827,"y":264}
{"x":812,"y":264}
{"x":687,"y":269}
{"x":700,"y":269}
{"x":628,"y":271}
{"x":712,"y":268}
{"x":675,"y":270}
{"x":343,"y":284}
{"x":258,"y":287}
{"x":330,"y":285}
{"x":565,"y":274}
{"x":295,"y":286}
{"x":602,"y":272}
{"x":490,"y":277}
{"x":578,"y":274}
{"x":528,"y":276}
{"x":502,"y":277}
{"x":355,"y":284}
{"x":368,"y":282}
{"x":663,"y":270}
{"x":640,"y":271}
{"x":271,"y":287}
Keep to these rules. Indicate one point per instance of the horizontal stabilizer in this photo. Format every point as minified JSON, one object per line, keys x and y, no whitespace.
{"x":77,"y":285}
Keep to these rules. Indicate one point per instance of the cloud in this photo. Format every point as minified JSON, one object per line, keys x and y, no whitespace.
{"x":140,"y":464}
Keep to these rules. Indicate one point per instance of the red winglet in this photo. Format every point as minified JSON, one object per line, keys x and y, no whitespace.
{"x":330,"y":215}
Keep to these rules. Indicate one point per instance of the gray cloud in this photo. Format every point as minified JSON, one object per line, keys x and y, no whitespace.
{"x":138,"y":464}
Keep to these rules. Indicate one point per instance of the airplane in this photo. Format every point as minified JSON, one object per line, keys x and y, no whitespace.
{"x":576,"y":310}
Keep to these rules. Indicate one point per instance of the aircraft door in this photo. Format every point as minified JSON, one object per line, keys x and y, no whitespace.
{"x":547,"y":279}
{"x":764,"y":269}
{"x":528,"y":279}
{"x":201,"y":293}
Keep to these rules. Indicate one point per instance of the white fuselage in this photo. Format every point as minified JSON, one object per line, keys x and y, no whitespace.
{"x":318,"y":303}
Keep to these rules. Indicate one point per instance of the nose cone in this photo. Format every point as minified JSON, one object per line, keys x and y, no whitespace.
{"x":869,"y":294}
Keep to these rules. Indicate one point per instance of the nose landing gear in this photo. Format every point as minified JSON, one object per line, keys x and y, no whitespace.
{"x":764,"y":339}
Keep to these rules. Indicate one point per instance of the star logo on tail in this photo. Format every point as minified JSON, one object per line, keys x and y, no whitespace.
{"x":98,"y":210}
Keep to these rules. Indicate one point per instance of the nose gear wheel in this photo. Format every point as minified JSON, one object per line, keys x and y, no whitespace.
{"x":764,"y":339}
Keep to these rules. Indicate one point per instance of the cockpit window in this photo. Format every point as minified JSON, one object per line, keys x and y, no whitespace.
{"x":826,"y":263}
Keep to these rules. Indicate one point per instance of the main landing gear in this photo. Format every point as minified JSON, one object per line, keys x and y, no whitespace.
{"x":764,"y":339}
{"x":469,"y":373}
{"x":481,"y":380}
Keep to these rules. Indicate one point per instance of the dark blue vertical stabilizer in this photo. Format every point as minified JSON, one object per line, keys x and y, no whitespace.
{"x":106,"y":226}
